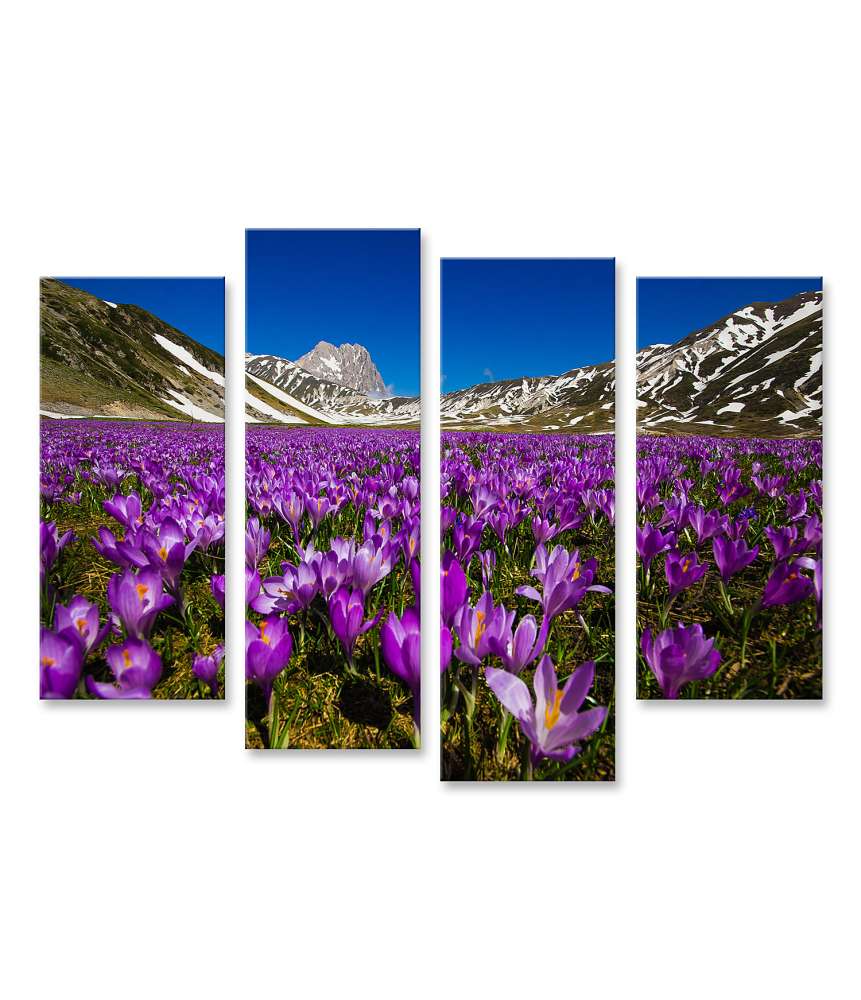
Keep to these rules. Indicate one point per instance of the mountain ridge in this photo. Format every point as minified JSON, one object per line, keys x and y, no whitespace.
{"x":100,"y":358}
{"x":756,"y":371}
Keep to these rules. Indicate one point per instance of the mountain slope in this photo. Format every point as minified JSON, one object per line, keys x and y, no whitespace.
{"x":105,"y":359}
{"x":349,"y":365}
{"x":757,"y":372}
{"x":581,"y":400}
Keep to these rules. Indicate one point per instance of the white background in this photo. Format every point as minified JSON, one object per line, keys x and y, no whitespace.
{"x":144,"y":852}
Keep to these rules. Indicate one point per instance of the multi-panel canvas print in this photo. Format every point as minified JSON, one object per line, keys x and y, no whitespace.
{"x":332,"y":484}
{"x":528,"y":513}
{"x":132,"y":488}
{"x":729,"y":488}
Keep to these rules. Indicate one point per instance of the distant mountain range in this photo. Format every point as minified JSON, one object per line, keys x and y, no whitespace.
{"x":106,"y":359}
{"x":756,"y":372}
{"x":581,"y":401}
{"x":282,"y":391}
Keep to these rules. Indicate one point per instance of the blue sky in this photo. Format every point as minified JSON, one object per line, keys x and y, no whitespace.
{"x":503,"y":318}
{"x":193,"y":305}
{"x":668,"y":309}
{"x":346,"y":286}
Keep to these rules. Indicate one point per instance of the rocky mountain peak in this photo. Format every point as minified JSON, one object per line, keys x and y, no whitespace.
{"x":349,"y":365}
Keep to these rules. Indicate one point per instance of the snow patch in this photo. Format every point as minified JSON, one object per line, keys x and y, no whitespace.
{"x":282,"y":397}
{"x":179,"y":402}
{"x":189,"y":359}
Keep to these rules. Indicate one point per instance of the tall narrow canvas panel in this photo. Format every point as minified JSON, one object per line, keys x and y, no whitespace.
{"x":528,"y":515}
{"x":333,"y":505}
{"x":729,"y":488}
{"x":132,"y":488}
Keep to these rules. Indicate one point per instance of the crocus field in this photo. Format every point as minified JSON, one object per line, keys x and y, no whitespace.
{"x":527,"y":631}
{"x":332,"y":640}
{"x":131,"y":560}
{"x":729,"y":563}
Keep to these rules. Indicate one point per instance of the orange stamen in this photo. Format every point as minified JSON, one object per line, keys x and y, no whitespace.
{"x":551,"y":712}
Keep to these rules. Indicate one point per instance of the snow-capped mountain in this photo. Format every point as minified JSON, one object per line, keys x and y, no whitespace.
{"x":581,"y":401}
{"x":282,"y":391}
{"x":349,"y":365}
{"x":756,"y":372}
{"x":106,"y":359}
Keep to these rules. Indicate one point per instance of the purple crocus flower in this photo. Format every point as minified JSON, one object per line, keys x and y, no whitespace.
{"x":205,"y":668}
{"x":736,"y":528}
{"x":50,"y":546}
{"x":786,"y":585}
{"x":500,"y":522}
{"x":466,"y":537}
{"x":682,"y":570}
{"x":416,"y":579}
{"x":60,"y":661}
{"x":400,"y":641}
{"x":216,"y":585}
{"x":347,"y":615}
{"x":136,"y":599}
{"x":454,"y":589}
{"x":678,"y":655}
{"x":334,"y":570}
{"x":487,"y":559}
{"x":445,"y":649}
{"x":796,"y":505}
{"x":651,"y":541}
{"x":520,"y":648}
{"x":80,"y":619}
{"x":782,"y":540}
{"x":553,"y":725}
{"x":731,"y":556}
{"x":253,"y":585}
{"x":292,"y":509}
{"x":256,"y":542}
{"x":811,"y":535}
{"x":136,"y":667}
{"x":108,"y":548}
{"x":317,"y":508}
{"x":410,"y":539}
{"x":706,"y":525}
{"x":292,"y":592}
{"x":370,"y":565}
{"x":267,"y":651}
{"x":675,"y":513}
{"x":483,"y":501}
{"x":816,"y":566}
{"x":164,"y":550}
{"x":565,"y":580}
{"x":481,"y":629}
{"x":771,"y":486}
{"x":815,"y":487}
{"x":126,"y":510}
{"x":543,"y":530}
{"x":447,"y":517}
